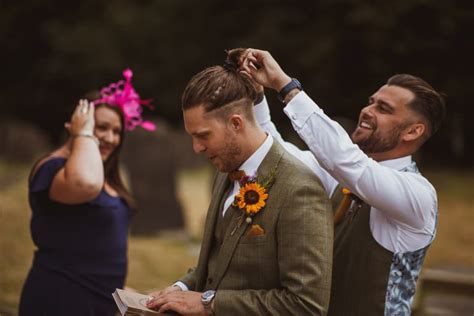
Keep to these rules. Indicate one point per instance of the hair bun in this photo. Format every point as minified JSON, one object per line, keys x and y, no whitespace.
{"x":229,"y":65}
{"x":232,"y":61}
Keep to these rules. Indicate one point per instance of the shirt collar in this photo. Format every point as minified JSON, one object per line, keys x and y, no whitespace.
{"x":251,"y":165}
{"x":398,"y":163}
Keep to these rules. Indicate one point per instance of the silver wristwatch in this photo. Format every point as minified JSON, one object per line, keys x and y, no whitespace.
{"x":206,"y":300}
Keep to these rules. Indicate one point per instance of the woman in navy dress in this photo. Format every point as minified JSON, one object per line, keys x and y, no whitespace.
{"x":81,"y":211}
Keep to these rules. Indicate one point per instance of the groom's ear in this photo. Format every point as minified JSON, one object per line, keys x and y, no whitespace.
{"x":236,"y":122}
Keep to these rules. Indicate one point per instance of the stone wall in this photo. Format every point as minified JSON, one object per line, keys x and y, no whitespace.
{"x":152,"y":160}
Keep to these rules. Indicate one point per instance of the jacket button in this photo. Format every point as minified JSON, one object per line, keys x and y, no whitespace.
{"x":209,"y":280}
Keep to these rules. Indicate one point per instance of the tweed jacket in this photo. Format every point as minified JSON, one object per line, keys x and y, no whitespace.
{"x":287,"y":269}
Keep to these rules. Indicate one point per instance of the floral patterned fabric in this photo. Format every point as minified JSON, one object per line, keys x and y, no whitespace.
{"x":404,"y":273}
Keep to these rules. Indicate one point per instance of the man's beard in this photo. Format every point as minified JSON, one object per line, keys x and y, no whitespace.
{"x":376,"y":144}
{"x":229,"y":155}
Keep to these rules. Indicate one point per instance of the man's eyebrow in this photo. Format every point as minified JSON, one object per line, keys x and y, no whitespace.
{"x":382,"y":102}
{"x":201,"y":133}
{"x":386,"y":105}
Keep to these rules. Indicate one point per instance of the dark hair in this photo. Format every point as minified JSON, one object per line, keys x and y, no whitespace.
{"x":111,"y":165}
{"x":218,"y":86}
{"x":427,"y":102}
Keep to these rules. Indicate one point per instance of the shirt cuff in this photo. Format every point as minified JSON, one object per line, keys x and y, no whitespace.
{"x":300,"y":108}
{"x":262,"y":112}
{"x":181,"y":285}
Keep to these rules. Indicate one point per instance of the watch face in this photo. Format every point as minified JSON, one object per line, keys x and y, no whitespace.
{"x":208,"y":295}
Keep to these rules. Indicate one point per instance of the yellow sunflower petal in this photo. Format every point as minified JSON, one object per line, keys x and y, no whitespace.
{"x":252,"y":208}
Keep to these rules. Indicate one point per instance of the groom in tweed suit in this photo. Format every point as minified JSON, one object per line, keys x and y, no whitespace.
{"x":277,"y":263}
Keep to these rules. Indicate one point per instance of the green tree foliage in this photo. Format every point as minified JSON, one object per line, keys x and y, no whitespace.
{"x":55,"y":51}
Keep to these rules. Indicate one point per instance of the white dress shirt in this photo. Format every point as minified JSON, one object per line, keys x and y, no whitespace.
{"x":404,"y":204}
{"x":250,"y":167}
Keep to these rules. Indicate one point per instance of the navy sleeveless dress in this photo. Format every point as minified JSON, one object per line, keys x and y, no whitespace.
{"x":82,"y":251}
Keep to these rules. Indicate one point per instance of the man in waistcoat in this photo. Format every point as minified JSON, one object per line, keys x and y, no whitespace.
{"x":267,"y":244}
{"x":385,"y":210}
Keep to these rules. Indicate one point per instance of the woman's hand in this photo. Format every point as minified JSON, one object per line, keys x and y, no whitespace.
{"x":82,"y":120}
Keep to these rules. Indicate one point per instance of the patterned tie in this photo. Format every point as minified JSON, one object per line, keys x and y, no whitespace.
{"x":343,"y":206}
{"x":236,"y":175}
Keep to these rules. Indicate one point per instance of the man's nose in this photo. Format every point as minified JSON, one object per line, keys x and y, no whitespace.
{"x":198,"y":147}
{"x":367,"y":110}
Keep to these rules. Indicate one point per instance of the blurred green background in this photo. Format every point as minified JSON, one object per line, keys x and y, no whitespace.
{"x":342,"y":51}
{"x":53,"y":52}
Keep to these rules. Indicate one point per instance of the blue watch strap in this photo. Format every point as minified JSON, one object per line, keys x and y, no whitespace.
{"x":293,"y":84}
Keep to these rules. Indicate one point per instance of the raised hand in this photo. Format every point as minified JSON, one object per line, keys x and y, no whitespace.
{"x":82,"y":120}
{"x":264,"y":69}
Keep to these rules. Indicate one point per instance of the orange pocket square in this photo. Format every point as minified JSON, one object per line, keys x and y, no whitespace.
{"x":256,"y":230}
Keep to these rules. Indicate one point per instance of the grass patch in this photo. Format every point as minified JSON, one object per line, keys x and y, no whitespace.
{"x":454,"y":239}
{"x":16,"y":247}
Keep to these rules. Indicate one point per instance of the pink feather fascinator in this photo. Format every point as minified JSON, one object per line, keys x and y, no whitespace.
{"x":122,"y":95}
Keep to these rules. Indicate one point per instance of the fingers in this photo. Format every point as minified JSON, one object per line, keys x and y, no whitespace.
{"x":83,"y":107}
{"x":242,"y":57}
{"x":82,"y":120}
{"x":78,"y":108}
{"x":245,"y":73}
{"x":157,"y":299}
{"x":91,"y":109}
{"x":186,"y":303}
{"x":157,"y":302}
{"x":86,"y":106}
{"x":159,"y":294}
{"x":254,"y":62}
{"x":257,"y":56}
{"x":251,"y":64}
{"x":248,"y":67}
{"x":173,"y":306}
{"x":150,"y":301}
{"x":253,"y":59}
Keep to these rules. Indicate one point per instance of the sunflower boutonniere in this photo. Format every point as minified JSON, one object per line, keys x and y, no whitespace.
{"x":252,"y":196}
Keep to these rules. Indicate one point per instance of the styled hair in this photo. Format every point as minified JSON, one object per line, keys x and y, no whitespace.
{"x":218,"y":86}
{"x":427,"y":102}
{"x":112,"y":164}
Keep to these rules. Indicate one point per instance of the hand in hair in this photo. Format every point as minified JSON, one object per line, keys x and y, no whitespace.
{"x":237,"y":56}
{"x":264,"y":69}
{"x":82,"y":120}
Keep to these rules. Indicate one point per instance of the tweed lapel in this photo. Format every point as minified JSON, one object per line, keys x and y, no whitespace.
{"x":229,"y":245}
{"x":221,"y":185}
{"x":271,"y":161}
